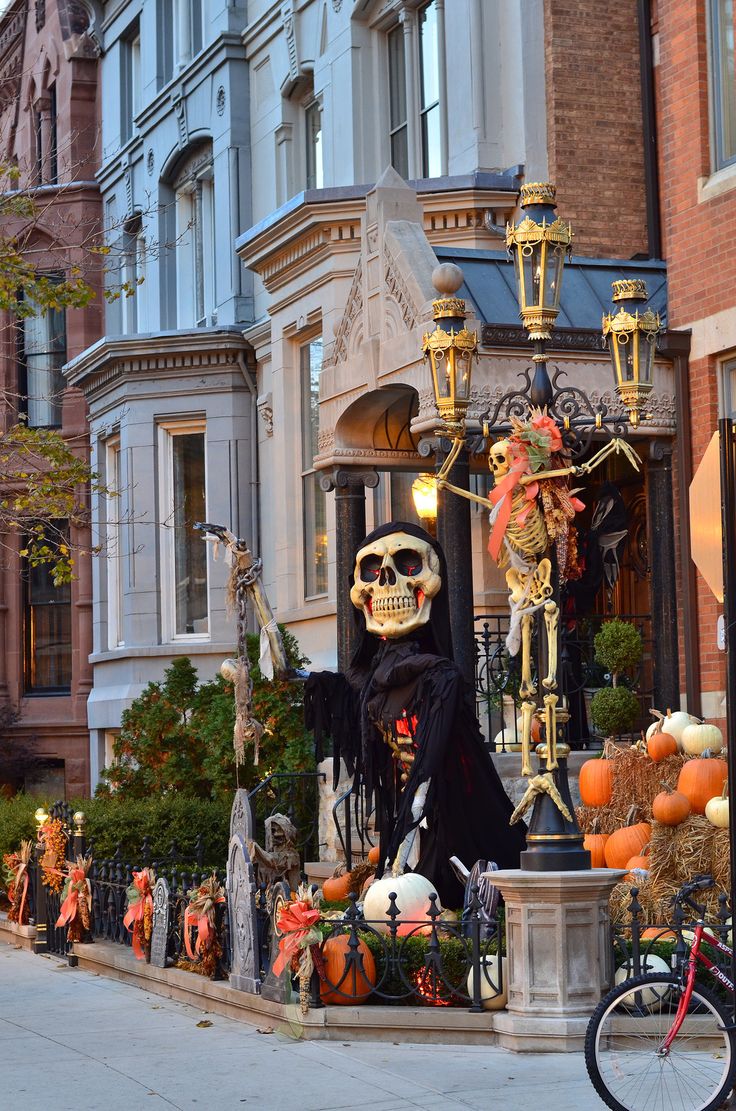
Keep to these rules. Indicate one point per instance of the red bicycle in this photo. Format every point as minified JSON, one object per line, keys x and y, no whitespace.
{"x":662,"y":1042}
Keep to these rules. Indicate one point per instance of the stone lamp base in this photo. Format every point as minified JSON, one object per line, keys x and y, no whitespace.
{"x":560,"y":958}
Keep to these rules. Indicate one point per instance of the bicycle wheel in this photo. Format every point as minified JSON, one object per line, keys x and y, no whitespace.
{"x":623,"y":1040}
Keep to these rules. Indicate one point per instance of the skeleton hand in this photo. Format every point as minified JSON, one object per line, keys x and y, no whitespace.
{"x":417,"y":806}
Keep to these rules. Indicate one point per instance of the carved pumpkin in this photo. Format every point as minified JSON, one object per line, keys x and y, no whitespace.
{"x":701,"y":737}
{"x":595,"y":842}
{"x":346,"y":983}
{"x":627,"y":841}
{"x":716,"y":810}
{"x":700,"y":779}
{"x":670,"y":807}
{"x":596,"y":782}
{"x":337,"y":888}
{"x":412,"y":899}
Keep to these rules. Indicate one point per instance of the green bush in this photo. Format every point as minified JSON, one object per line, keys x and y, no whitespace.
{"x":618,"y":647}
{"x":16,"y":821}
{"x":614,"y":710}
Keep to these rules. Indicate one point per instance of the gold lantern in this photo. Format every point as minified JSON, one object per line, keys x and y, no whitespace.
{"x":450,"y":349}
{"x":539,"y":245}
{"x":632,"y":340}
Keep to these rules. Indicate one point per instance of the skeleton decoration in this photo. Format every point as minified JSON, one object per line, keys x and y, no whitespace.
{"x":280,"y":858}
{"x":396,"y":578}
{"x":532,"y":508}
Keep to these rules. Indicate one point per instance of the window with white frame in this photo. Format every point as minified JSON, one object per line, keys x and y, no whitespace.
{"x":314,"y":502}
{"x":130,"y":79}
{"x":164,"y":41}
{"x":728,"y":387}
{"x":722,"y":83}
{"x":415,"y":108}
{"x":195,"y":242}
{"x":114,"y":553}
{"x":189,"y":32}
{"x":133,"y":273}
{"x":184,"y":575}
{"x":42,"y":355}
{"x":314,"y":149}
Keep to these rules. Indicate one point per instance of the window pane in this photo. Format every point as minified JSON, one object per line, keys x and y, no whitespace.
{"x":315,"y":536}
{"x":724,"y":86}
{"x":400,"y":151}
{"x":313,"y":125}
{"x":44,"y":353}
{"x":48,"y":641}
{"x":396,"y":79}
{"x":431,"y":152}
{"x":311,"y":367}
{"x":428,"y":56}
{"x":190,"y":553}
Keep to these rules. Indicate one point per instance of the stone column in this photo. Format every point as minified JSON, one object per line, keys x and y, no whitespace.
{"x":661,"y":524}
{"x":559,"y":955}
{"x":349,"y":484}
{"x":453,"y":534}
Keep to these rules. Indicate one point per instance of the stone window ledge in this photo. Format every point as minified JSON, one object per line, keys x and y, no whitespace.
{"x":718,"y":183}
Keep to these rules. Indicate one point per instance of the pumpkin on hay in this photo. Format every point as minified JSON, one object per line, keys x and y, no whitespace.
{"x":337,"y":888}
{"x":639,"y":863}
{"x":700,"y":779}
{"x":595,"y":843}
{"x":670,"y":807}
{"x":701,"y":737}
{"x":660,"y":745}
{"x":627,"y":841}
{"x":675,"y":723}
{"x":716,"y":809}
{"x":412,"y":900}
{"x":596,"y":782}
{"x":346,"y":983}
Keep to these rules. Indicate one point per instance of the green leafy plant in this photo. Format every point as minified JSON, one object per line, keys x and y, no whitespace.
{"x":614,"y":710}
{"x":618,"y":647}
{"x":177,"y":735}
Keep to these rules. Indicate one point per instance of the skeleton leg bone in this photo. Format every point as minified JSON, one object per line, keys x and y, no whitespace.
{"x":527,"y":713}
{"x":551,"y":621}
{"x":550,"y":728}
{"x":527,"y":687}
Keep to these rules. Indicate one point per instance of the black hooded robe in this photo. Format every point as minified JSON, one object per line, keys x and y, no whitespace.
{"x":409,"y":686}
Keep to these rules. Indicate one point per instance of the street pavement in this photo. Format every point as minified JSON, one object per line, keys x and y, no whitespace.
{"x":74,"y":1041}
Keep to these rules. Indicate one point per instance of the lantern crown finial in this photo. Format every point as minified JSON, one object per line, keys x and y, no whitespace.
{"x":629,"y":289}
{"x":538,"y":192}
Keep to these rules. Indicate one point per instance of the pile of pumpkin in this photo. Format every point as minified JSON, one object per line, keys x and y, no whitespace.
{"x":658,"y":808}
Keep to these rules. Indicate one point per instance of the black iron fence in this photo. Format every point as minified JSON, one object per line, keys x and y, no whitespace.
{"x":498,"y":676}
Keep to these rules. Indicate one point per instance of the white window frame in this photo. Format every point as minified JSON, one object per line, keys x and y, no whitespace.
{"x":727,"y":386}
{"x":114,"y":530}
{"x":718,"y":90}
{"x":408,"y":28}
{"x":195,"y":250}
{"x":167,"y":431}
{"x":307,"y":473}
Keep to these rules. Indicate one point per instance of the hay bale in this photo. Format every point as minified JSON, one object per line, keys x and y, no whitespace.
{"x":637,"y":780}
{"x":586,"y":815}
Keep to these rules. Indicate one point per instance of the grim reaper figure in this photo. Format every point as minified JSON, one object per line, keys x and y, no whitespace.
{"x":403,"y":721}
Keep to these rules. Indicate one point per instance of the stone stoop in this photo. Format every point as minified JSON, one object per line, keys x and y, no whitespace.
{"x":22,"y":937}
{"x":433,"y":1025}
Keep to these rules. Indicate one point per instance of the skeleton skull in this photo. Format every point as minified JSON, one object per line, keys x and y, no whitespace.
{"x":396,"y":578}
{"x":500,"y":459}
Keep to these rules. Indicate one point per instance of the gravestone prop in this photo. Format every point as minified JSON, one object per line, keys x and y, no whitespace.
{"x":160,"y":929}
{"x":277,"y":988}
{"x":241,"y":816}
{"x":241,"y":902}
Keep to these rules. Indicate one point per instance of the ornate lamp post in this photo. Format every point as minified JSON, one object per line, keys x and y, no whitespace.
{"x":539,"y":244}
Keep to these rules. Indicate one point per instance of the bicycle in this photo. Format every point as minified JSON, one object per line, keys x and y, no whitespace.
{"x":661,"y":1042}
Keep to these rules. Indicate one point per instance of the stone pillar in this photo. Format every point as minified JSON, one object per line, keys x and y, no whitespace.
{"x":559,"y":955}
{"x":661,"y":524}
{"x":349,"y":484}
{"x":453,"y":533}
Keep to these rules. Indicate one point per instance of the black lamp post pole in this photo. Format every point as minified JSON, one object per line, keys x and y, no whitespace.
{"x":727,"y":430}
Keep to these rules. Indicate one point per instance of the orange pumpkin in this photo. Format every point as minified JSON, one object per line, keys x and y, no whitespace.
{"x":596,"y":782}
{"x":670,"y":807}
{"x":337,"y":888}
{"x":700,"y":779}
{"x":641,"y":861}
{"x":627,"y":841}
{"x":595,"y":842}
{"x":661,"y":745}
{"x":346,"y":984}
{"x":373,"y":854}
{"x":656,"y":933}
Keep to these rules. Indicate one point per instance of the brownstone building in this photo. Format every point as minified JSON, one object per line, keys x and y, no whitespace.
{"x":49,"y":130}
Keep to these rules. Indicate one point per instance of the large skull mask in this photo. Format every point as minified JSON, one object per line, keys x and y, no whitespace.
{"x":396,"y":578}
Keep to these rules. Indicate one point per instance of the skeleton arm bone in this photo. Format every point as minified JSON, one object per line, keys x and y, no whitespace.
{"x":417,"y":806}
{"x":442,"y":485}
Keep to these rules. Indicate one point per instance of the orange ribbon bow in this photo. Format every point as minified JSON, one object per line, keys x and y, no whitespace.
{"x":137,"y":908}
{"x":297,"y":922}
{"x":78,"y":885}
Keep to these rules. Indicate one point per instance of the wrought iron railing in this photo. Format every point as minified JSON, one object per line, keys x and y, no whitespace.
{"x":497,"y":678}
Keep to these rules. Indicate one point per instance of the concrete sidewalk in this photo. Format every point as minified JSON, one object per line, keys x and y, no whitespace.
{"x":73,"y":1041}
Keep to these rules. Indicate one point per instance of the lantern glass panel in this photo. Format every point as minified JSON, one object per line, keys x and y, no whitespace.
{"x":532,"y":276}
{"x":553,"y":276}
{"x":442,"y":374}
{"x":647,"y":347}
{"x":462,"y":376}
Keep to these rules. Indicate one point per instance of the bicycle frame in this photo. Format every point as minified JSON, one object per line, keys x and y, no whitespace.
{"x":695,"y":957}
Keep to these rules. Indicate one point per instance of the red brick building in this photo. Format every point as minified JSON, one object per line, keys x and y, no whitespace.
{"x":49,"y":129}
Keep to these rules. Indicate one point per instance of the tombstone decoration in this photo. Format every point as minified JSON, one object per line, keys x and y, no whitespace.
{"x":241,"y":816}
{"x":241,"y":888}
{"x":160,"y":930}
{"x":277,"y":988}
{"x":280,"y":858}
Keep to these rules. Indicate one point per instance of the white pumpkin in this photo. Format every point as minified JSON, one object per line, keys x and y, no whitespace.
{"x":676,"y":723}
{"x":649,"y":963}
{"x":506,"y":740}
{"x":412,"y":899}
{"x":699,"y":737}
{"x":492,"y":999}
{"x":716,"y":810}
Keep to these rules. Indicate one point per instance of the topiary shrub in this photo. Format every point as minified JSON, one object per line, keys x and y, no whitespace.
{"x":614,"y":710}
{"x":618,"y":647}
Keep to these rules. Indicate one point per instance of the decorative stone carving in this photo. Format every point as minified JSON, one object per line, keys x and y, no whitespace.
{"x":241,"y":905}
{"x":149,"y":161}
{"x":265,"y":410}
{"x":288,"y":20}
{"x":160,"y":929}
{"x":396,"y":288}
{"x":180,"y":111}
{"x":220,"y":101}
{"x":353,"y":311}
